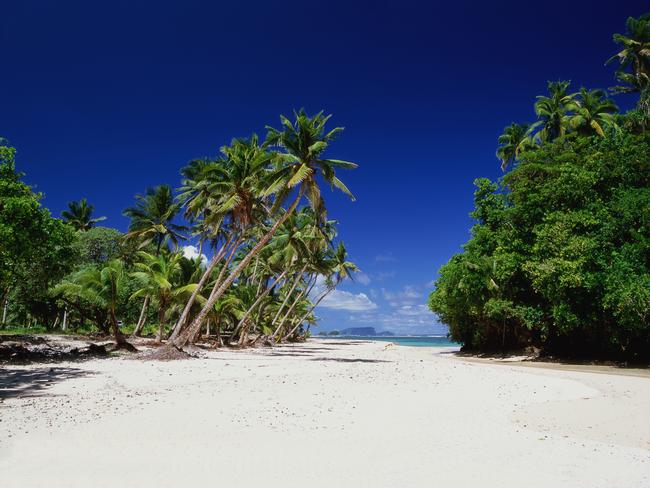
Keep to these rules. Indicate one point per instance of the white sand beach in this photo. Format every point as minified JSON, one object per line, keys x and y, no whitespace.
{"x":323,"y":414}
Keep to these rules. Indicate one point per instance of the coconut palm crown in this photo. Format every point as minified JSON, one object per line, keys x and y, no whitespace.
{"x":79,"y":215}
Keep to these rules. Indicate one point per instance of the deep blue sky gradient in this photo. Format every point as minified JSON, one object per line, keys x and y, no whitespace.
{"x":103,"y":99}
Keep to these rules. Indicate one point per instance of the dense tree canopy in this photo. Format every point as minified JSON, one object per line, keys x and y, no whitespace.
{"x":35,"y":249}
{"x":559,"y":257}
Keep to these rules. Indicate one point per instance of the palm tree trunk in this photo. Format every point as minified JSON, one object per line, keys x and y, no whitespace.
{"x":197,"y":333}
{"x":188,"y":306}
{"x":293,"y":305}
{"x":200,"y":248}
{"x":117,"y":333}
{"x":218,"y":325}
{"x":225,"y":267}
{"x":65,"y":318}
{"x":244,"y":334}
{"x":263,"y":278}
{"x":320,"y":299}
{"x":4,"y":310}
{"x":182,"y":340}
{"x":286,"y":298}
{"x":257,"y":262}
{"x":644,"y":101}
{"x":143,"y":314}
{"x":257,"y":301}
{"x":161,"y":322}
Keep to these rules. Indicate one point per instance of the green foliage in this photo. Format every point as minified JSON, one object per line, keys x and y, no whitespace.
{"x":553,"y":111}
{"x":152,"y":218}
{"x":265,"y":257}
{"x":634,"y":56}
{"x":79,"y":215}
{"x":303,"y":143}
{"x":100,"y":244}
{"x":35,"y":248}
{"x":560,"y":252}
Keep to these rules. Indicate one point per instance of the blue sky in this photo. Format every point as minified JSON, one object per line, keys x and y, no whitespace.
{"x":103,"y":99}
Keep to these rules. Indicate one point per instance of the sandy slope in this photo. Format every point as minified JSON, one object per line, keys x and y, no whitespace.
{"x":326,"y":414}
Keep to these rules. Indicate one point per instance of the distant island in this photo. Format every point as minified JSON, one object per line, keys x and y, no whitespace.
{"x":359,"y":331}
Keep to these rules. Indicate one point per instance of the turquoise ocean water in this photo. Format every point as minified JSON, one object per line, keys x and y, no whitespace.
{"x":415,"y":341}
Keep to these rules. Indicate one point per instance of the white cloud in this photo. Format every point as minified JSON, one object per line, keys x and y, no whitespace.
{"x":385,"y":258}
{"x":409,"y":295}
{"x":407,"y":319}
{"x":344,"y":300}
{"x":362,"y":278}
{"x":192,"y":252}
{"x":414,"y":311}
{"x":385,"y":275}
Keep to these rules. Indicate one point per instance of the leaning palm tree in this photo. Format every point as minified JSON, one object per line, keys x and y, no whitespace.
{"x":258,"y":303}
{"x":514,"y":140}
{"x":634,"y":60}
{"x":594,"y":113}
{"x":152,"y":218}
{"x":79,"y":215}
{"x":301,"y":146}
{"x":224,"y":190}
{"x":337,"y":270}
{"x":319,"y":263}
{"x":553,"y":111}
{"x":157,"y":275}
{"x":290,"y":249}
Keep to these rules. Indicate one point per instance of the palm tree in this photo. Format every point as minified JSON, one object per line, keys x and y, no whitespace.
{"x":594,"y":113}
{"x":258,"y":301}
{"x":290,"y":249}
{"x":514,"y":140}
{"x":315,"y":252}
{"x":339,"y":269}
{"x":553,"y":112}
{"x":152,"y":218}
{"x":101,"y":285}
{"x":220,"y":190}
{"x":79,"y":215}
{"x":158,"y":274}
{"x":635,"y":57}
{"x":302,"y":145}
{"x":318,"y":263}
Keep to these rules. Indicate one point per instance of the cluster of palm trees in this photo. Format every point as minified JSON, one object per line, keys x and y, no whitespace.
{"x":272,"y":261}
{"x":586,"y":112}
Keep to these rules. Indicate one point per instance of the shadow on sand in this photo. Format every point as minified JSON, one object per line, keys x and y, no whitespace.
{"x":351,"y":360}
{"x":34,"y":382}
{"x":312,"y":351}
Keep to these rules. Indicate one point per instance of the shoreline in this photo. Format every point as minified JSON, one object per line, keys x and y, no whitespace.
{"x":560,"y":365}
{"x":322,"y":413}
{"x":585,"y":366}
